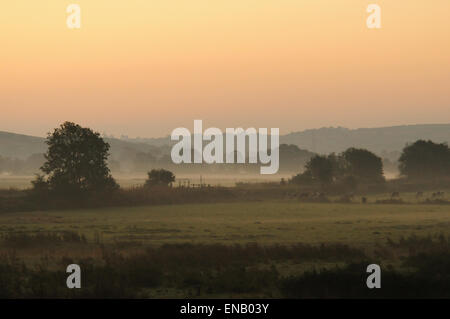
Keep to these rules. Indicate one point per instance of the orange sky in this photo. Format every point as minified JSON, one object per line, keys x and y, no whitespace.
{"x":143,"y":68}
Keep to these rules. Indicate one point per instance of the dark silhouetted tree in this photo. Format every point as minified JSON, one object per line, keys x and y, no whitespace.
{"x":321,"y":169}
{"x":425,"y":159}
{"x":76,"y":162}
{"x":160,"y":177}
{"x":348,"y":169}
{"x":363,"y":165}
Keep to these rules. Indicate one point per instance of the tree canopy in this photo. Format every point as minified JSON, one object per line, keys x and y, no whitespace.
{"x":321,"y":169}
{"x":160,"y":177}
{"x":76,"y":161}
{"x":350,"y":167}
{"x":425,"y":159}
{"x":363,"y":164}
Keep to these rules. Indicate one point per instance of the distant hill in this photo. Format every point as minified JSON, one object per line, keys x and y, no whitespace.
{"x":337,"y":139}
{"x":378,"y":140}
{"x":323,"y":140}
{"x":22,"y":146}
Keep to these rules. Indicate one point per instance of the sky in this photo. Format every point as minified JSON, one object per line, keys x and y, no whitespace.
{"x":143,"y":68}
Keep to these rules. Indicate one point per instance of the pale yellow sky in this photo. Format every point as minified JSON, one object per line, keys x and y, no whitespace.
{"x":143,"y":68}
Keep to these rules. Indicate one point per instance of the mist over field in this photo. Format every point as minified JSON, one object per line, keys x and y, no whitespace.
{"x":21,"y":155}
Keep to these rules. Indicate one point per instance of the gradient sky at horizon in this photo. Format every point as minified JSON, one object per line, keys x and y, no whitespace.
{"x":143,"y":68}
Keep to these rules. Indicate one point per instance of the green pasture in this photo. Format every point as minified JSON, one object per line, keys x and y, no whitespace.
{"x":262,"y":222}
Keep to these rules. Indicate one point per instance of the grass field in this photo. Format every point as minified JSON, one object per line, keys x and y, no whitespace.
{"x":262,"y":222}
{"x":242,"y":250}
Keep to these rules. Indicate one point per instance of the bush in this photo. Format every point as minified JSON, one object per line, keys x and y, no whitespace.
{"x":159,"y":177}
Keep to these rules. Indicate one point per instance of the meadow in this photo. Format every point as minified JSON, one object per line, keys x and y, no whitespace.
{"x":265,"y":222}
{"x":258,"y":249}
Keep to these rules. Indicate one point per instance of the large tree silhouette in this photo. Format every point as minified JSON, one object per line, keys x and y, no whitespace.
{"x":363,"y":165}
{"x":425,"y":159}
{"x":321,"y":168}
{"x":76,"y":161}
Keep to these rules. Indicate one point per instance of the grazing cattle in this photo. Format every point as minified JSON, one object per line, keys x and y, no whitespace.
{"x":304,"y":195}
{"x":363,"y":200}
{"x":395,"y":194}
{"x":438,"y":194}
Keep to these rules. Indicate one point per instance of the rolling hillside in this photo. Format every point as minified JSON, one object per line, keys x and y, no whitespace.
{"x":323,"y":140}
{"x":22,"y":146}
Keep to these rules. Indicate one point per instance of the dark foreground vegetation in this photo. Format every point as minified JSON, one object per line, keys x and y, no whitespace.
{"x":411,"y":267}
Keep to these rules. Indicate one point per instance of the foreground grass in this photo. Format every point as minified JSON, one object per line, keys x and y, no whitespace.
{"x":230,"y":223}
{"x":252,"y":249}
{"x":412,"y":267}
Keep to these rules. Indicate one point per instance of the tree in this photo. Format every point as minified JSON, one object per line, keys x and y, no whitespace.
{"x":348,"y":183}
{"x":363,"y":165}
{"x":304,"y":178}
{"x":425,"y":159}
{"x":76,"y":161}
{"x":160,"y":177}
{"x":321,"y":168}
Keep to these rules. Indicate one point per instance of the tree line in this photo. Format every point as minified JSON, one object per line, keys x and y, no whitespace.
{"x":76,"y":164}
{"x":419,"y":161}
